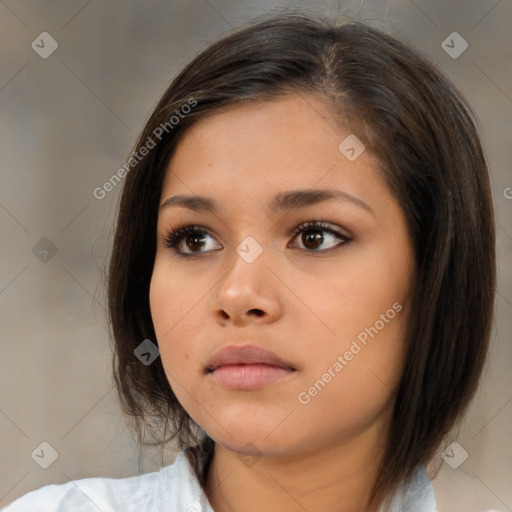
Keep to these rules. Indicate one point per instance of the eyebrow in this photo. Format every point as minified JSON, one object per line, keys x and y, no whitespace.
{"x":282,"y":201}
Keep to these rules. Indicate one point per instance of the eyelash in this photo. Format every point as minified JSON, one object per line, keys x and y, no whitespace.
{"x":175,"y":237}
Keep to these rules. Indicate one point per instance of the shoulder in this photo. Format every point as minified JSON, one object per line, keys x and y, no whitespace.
{"x":415,"y":496}
{"x":89,"y":494}
{"x":171,"y":489}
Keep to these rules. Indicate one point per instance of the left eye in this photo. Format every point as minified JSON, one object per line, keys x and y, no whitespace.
{"x":312,"y":238}
{"x":188,"y":240}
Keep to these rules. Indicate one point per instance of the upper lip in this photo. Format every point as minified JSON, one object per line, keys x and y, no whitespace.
{"x":246,"y":354}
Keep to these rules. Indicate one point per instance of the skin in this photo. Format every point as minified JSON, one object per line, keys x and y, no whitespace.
{"x":304,"y":301}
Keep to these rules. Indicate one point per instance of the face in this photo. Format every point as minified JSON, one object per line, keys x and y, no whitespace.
{"x":321,"y":280}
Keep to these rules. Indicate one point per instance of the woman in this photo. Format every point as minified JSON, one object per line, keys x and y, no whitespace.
{"x":302,"y":280}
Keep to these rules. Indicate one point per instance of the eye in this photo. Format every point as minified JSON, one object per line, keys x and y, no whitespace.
{"x":190,"y":237}
{"x":312,"y":237}
{"x":192,"y":240}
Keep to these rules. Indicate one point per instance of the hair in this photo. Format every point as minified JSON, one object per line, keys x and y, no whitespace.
{"x":420,"y":128}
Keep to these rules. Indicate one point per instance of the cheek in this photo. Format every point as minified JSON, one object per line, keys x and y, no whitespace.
{"x":351,"y":382}
{"x":171,"y":317}
{"x":346,"y":303}
{"x":361,"y":315}
{"x":174,"y":296}
{"x":175,"y":312}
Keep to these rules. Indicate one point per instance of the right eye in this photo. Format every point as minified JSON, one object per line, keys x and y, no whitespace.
{"x":189,"y":237}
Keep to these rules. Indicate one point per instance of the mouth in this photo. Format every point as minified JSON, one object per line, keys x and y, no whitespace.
{"x":247,"y":368}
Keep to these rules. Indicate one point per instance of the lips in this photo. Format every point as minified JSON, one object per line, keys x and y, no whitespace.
{"x":247,"y":354}
{"x":248,"y":368}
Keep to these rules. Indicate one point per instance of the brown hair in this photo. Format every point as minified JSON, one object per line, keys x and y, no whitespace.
{"x":421,"y":130}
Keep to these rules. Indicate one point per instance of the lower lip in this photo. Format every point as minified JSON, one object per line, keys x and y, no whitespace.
{"x":249,"y":377}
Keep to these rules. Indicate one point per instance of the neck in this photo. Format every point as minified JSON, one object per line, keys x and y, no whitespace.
{"x":336,"y":479}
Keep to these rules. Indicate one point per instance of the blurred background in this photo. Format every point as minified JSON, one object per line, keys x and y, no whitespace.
{"x":77,"y":82}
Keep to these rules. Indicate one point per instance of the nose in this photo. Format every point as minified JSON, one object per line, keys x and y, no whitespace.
{"x":247,"y":293}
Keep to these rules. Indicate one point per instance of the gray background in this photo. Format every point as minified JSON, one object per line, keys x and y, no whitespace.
{"x":69,"y":121}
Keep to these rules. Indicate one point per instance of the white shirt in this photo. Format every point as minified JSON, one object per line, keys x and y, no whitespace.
{"x":172,"y":489}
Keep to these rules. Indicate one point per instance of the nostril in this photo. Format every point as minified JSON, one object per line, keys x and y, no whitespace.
{"x":257,"y":312}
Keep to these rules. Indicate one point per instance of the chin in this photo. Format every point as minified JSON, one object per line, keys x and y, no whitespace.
{"x":251,"y":440}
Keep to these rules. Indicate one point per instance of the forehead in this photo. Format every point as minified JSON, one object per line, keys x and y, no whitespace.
{"x":251,"y":149}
